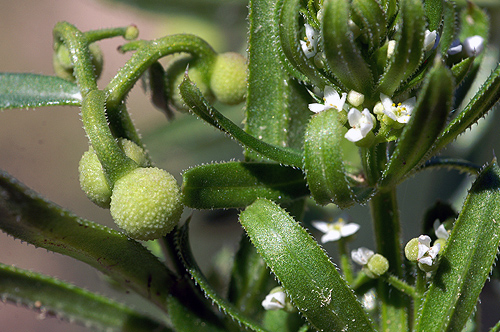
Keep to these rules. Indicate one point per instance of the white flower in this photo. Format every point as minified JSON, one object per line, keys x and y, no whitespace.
{"x":391,"y":47}
{"x":427,"y":254}
{"x":473,"y":45}
{"x":455,"y":47}
{"x":335,"y":231}
{"x":361,"y":255}
{"x":310,"y":43}
{"x":400,"y":112}
{"x":440,"y":231}
{"x":430,"y":39}
{"x":274,"y":301}
{"x":361,"y":124}
{"x":332,"y":100}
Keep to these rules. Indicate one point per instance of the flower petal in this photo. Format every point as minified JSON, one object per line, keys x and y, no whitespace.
{"x":330,"y":236}
{"x":349,"y":229}
{"x":316,"y":108}
{"x":322,"y":225}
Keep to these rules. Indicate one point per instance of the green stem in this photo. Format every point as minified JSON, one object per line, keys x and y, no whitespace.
{"x":420,"y":286}
{"x":114,"y":161}
{"x":78,"y":47}
{"x":149,"y":53}
{"x":401,"y":286}
{"x":387,"y":229}
{"x":129,"y":32}
{"x":345,"y":263}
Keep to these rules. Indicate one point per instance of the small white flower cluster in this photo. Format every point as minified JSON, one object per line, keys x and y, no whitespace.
{"x":420,"y":250}
{"x":362,"y":122}
{"x":472,"y":46}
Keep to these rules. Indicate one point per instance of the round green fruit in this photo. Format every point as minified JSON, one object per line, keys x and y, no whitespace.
{"x":146,"y":203}
{"x":229,"y":78}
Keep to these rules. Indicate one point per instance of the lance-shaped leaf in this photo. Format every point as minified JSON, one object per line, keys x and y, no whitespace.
{"x":372,"y":21}
{"x":235,"y":184}
{"x":30,"y":218}
{"x":250,"y":279}
{"x":449,"y":29}
{"x":425,"y":125}
{"x":409,"y":47}
{"x":484,"y":100}
{"x":290,"y":45}
{"x":467,"y":258}
{"x":324,"y":160}
{"x":185,"y":320}
{"x":434,"y":13}
{"x":306,"y":273}
{"x":200,"y":106}
{"x":32,"y":90}
{"x":53,"y":297}
{"x":184,"y":250}
{"x":343,"y":55}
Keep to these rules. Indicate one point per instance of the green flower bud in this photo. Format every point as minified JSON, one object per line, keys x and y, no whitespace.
{"x":63,"y":67}
{"x":92,"y":179}
{"x":229,"y":78}
{"x":411,"y":250}
{"x":146,"y":203}
{"x":175,"y":74}
{"x":377,"y":265}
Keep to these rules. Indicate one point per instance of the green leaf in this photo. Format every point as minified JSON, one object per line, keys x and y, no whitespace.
{"x":28,"y":217}
{"x":184,"y":320}
{"x":266,"y":107}
{"x":342,"y":53}
{"x":425,"y":125}
{"x":236,"y":184}
{"x":53,"y":297}
{"x":292,"y":51}
{"x":200,"y":106}
{"x":192,"y":268}
{"x":484,"y":100}
{"x":324,"y":160}
{"x":409,"y":47}
{"x":304,"y":270}
{"x":32,"y":90}
{"x":434,"y":13}
{"x":251,"y":280}
{"x":450,"y":27}
{"x":372,"y":21}
{"x":467,"y":258}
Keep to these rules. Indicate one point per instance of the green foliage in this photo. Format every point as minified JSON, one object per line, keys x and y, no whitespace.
{"x":324,"y":81}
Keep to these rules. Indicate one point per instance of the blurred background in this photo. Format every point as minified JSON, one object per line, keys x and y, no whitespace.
{"x":42,"y":147}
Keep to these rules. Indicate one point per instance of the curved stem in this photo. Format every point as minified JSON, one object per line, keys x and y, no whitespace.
{"x":114,"y":161}
{"x":77,"y":45}
{"x":148,"y":53}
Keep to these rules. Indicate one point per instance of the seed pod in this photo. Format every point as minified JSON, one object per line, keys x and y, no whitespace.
{"x":63,"y":67}
{"x":92,"y":179}
{"x":197,"y":74}
{"x":229,"y":78}
{"x":146,"y":203}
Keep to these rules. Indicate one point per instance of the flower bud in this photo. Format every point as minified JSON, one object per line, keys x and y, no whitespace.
{"x":174,"y":76}
{"x":146,"y":203}
{"x":92,"y":179}
{"x":411,"y":250}
{"x":63,"y":66}
{"x":377,"y":265}
{"x":229,"y":78}
{"x":91,"y":175}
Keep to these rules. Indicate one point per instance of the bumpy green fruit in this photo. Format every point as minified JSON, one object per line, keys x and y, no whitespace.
{"x":92,"y":179}
{"x":175,"y":74}
{"x":63,"y":67}
{"x":229,"y":78}
{"x":146,"y":203}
